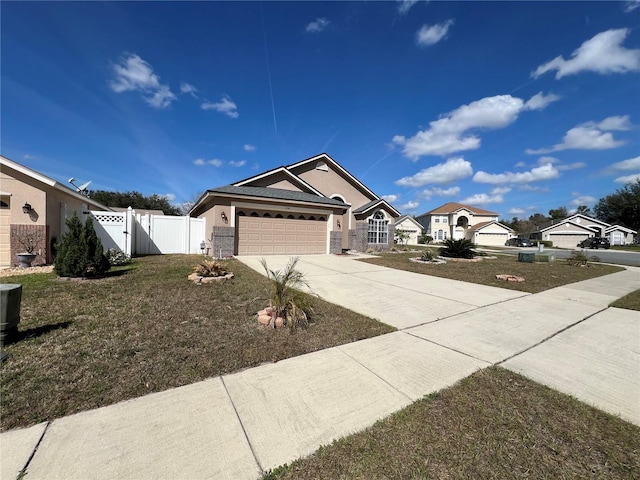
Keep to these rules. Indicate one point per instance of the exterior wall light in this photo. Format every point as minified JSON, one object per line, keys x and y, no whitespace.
{"x":224,"y":217}
{"x":26,"y":208}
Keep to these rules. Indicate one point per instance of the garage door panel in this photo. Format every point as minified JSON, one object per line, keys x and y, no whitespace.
{"x":278,"y":236}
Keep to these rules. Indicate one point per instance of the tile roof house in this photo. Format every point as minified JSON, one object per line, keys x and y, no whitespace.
{"x":314,"y":206}
{"x":409,"y":225}
{"x":569,"y":231}
{"x":32,"y":202}
{"x":457,"y":221}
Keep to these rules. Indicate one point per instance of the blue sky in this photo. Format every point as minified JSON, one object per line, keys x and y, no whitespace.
{"x":516,"y":107}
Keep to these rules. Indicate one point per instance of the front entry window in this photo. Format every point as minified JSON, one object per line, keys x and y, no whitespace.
{"x":378,"y":229}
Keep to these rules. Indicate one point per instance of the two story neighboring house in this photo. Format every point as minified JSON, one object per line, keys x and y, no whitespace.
{"x":455,"y":220}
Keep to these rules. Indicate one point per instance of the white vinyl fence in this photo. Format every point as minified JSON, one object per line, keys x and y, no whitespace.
{"x":149,"y":234}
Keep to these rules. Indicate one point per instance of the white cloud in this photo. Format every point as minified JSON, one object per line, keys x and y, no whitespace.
{"x":483,"y":199}
{"x":629,"y":164}
{"x":571,"y":166}
{"x":500,"y":190}
{"x":249,"y":148}
{"x":532,"y":188}
{"x":447,"y":134}
{"x":516,"y":211}
{"x":582,"y":200}
{"x":225,"y":106}
{"x":134,"y":74}
{"x":318,"y":25}
{"x":590,"y":136}
{"x":170,"y":196}
{"x":628,"y":178}
{"x":603,"y":54}
{"x":238,"y":163}
{"x":545,"y":160}
{"x":439,"y":192}
{"x":540,"y":101}
{"x":188,"y":88}
{"x":405,"y":5}
{"x":214,"y":161}
{"x":453,"y":169}
{"x":431,"y":34}
{"x":408,"y":206}
{"x":631,"y":5}
{"x":390,"y":198}
{"x":544,"y":172}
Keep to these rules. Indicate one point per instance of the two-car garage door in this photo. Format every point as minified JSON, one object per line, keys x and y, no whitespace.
{"x":274,"y":236}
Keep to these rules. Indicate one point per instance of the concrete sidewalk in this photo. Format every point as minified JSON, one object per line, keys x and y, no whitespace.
{"x":239,"y":425}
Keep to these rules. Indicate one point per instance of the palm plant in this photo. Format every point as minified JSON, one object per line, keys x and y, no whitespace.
{"x":461,"y":248}
{"x":427,"y":256}
{"x":287,"y":300}
{"x":581,"y":259}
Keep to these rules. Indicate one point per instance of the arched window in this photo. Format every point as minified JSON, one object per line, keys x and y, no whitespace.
{"x":290,"y":217}
{"x":301,"y":217}
{"x":312,"y":217}
{"x":254,"y":214}
{"x":242,"y":214}
{"x":267,"y":215}
{"x":378,"y":229}
{"x":279,"y":215}
{"x":322,"y":219}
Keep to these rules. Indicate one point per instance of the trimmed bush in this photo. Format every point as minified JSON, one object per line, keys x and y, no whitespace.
{"x":80,"y":253}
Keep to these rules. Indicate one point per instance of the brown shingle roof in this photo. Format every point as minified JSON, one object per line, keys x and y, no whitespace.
{"x":453,"y":207}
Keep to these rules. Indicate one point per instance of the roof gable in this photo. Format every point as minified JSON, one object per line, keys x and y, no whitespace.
{"x":335,"y":166}
{"x":479,"y":226}
{"x":275,"y":175}
{"x":49,"y":182}
{"x":380,"y":203}
{"x":573,"y":224}
{"x":410,"y":219}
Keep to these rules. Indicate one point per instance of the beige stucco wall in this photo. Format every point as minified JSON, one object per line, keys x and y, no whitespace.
{"x":22,"y":191}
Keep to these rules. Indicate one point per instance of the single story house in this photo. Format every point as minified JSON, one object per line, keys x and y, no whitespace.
{"x":34,"y":203}
{"x":570,"y":231}
{"x":457,"y":221}
{"x":409,"y":225}
{"x":314,"y":206}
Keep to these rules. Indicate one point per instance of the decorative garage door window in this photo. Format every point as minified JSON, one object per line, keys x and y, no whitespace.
{"x":378,"y":228}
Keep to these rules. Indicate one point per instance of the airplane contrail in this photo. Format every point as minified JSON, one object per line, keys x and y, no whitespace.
{"x":266,"y":51}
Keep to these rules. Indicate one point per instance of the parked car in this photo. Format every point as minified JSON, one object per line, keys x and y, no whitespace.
{"x":518,"y":242}
{"x":595,"y":242}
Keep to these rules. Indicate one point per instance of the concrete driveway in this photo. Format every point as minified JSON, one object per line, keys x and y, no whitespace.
{"x":567,"y":337}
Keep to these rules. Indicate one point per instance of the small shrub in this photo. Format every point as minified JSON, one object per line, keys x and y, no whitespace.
{"x":80,"y":253}
{"x":427,"y":256}
{"x":117,"y":257}
{"x":210,"y":268}
{"x":581,"y":259}
{"x":461,"y":248}
{"x":289,"y":302}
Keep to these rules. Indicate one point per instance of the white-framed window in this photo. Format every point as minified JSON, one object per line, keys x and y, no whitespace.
{"x":436,"y":219}
{"x":445,"y":220}
{"x":378,"y":229}
{"x":441,"y":235}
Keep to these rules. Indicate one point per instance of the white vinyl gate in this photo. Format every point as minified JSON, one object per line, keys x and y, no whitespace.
{"x":146,"y":234}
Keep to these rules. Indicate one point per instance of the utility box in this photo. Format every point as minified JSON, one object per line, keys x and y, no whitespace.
{"x":526,"y":257}
{"x":10,"y":298}
{"x":545,"y":257}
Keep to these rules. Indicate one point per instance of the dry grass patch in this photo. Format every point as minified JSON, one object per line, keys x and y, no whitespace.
{"x":494,"y":424}
{"x":146,"y":328}
{"x":538,"y":276}
{"x":630,"y":302}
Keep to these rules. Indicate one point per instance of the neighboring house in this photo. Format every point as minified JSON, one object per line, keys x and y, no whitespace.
{"x":32,"y":202}
{"x":457,"y":221}
{"x":570,"y":231}
{"x":311,"y":207}
{"x":408,"y":224}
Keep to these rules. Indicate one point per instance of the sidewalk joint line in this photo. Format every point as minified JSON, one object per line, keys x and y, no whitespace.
{"x":35,"y":449}
{"x":448,"y":348}
{"x":375,"y":374}
{"x":551,"y":336}
{"x":244,"y":431}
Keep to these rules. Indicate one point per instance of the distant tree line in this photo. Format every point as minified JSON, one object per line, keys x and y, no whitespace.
{"x":134,"y":200}
{"x":619,"y":208}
